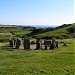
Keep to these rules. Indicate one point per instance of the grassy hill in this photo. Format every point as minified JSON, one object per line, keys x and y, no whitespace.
{"x":59,"y":61}
{"x":60,"y":32}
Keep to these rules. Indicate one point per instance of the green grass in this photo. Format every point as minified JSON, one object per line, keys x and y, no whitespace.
{"x":58,"y":32}
{"x":59,"y":61}
{"x":22,"y":32}
{"x":6,"y":32}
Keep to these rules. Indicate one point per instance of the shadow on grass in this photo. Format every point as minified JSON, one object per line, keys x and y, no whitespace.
{"x":7,"y":48}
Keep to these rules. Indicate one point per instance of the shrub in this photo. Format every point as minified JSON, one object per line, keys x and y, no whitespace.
{"x":71,"y":30}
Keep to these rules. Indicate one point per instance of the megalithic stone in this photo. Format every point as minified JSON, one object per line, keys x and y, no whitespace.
{"x":45,"y":47}
{"x":53,"y":44}
{"x":18,"y":43}
{"x":47,"y":43}
{"x":38,"y":43}
{"x":14,"y":41}
{"x":11,"y":42}
{"x":57,"y":44}
{"x":26,"y":43}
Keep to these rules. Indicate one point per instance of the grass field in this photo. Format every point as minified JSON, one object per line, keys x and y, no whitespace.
{"x":57,"y":32}
{"x":6,"y":32}
{"x":59,"y":61}
{"x":22,"y":32}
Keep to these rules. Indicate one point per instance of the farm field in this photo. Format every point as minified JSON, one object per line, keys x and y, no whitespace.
{"x":15,"y":31}
{"x":59,"y":61}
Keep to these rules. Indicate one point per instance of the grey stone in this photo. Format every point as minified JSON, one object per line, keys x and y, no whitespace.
{"x":54,"y":44}
{"x":14,"y":41}
{"x":47,"y":43}
{"x":26,"y":43}
{"x":38,"y":43}
{"x":18,"y":42}
{"x":65,"y":44}
{"x":11,"y":42}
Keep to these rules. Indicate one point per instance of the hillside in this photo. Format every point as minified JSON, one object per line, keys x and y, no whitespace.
{"x":59,"y":32}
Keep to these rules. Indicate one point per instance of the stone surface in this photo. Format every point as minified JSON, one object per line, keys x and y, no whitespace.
{"x":14,"y":41}
{"x":11,"y":42}
{"x":26,"y":43}
{"x":18,"y":43}
{"x":57,"y":44}
{"x":47,"y":43}
{"x":38,"y":43}
{"x":53,"y":44}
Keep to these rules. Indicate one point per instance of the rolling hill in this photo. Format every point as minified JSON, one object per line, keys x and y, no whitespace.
{"x":59,"y":32}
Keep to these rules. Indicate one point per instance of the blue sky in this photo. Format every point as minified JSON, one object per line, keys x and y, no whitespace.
{"x":36,"y":12}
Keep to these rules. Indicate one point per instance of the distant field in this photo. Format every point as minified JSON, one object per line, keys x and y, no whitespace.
{"x":59,"y":61}
{"x":5,"y":36}
{"x":6,"y":30}
{"x":22,"y":32}
{"x":15,"y":31}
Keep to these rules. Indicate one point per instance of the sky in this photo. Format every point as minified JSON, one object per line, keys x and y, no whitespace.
{"x":36,"y":12}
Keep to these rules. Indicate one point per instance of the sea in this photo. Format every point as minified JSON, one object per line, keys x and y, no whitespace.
{"x":41,"y":26}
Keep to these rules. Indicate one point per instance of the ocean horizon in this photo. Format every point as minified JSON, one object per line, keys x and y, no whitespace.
{"x":36,"y":26}
{"x":41,"y":26}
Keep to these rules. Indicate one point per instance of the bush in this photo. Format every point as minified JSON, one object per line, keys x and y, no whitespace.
{"x":71,"y":30}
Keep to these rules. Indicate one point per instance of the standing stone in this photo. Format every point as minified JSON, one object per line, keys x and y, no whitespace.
{"x":45,"y":46}
{"x":47,"y":43}
{"x":53,"y":44}
{"x":14,"y":41}
{"x":11,"y":42}
{"x":38,"y":43}
{"x":26,"y":43}
{"x":18,"y":43}
{"x":57,"y":44}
